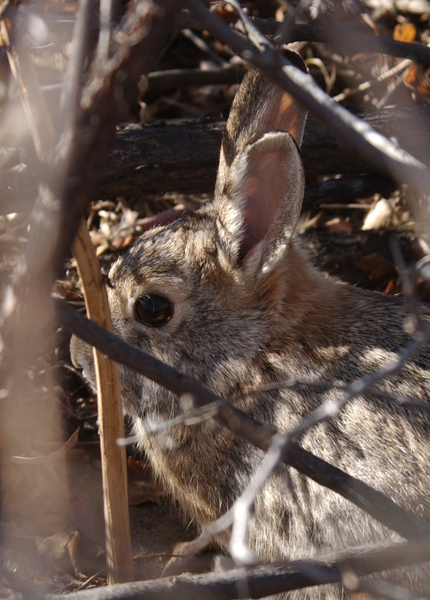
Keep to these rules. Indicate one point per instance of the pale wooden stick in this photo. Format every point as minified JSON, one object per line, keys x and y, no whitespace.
{"x":111,"y":425}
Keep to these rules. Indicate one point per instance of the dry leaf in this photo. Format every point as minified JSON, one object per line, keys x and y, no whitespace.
{"x":379,"y":215}
{"x":405,"y":32}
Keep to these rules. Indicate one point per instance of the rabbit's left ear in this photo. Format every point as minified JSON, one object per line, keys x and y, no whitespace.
{"x":258,"y":213}
{"x":260,"y":181}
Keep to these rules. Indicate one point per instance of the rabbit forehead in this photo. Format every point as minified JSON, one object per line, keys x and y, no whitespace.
{"x":172,"y":260}
{"x":169,"y":249}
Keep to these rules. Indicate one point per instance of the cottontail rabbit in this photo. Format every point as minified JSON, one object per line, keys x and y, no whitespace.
{"x":228,"y":296}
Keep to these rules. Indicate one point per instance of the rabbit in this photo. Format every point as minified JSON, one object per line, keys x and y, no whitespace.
{"x":227,"y":295}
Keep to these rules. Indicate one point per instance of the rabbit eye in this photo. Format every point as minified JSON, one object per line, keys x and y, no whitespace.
{"x":153,"y":310}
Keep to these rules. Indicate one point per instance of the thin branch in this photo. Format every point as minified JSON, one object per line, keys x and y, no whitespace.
{"x":161,"y":81}
{"x":262,"y":581}
{"x":260,"y":435}
{"x":71,"y":88}
{"x":245,"y":26}
{"x":201,"y":414}
{"x":284,"y":33}
{"x":348,"y":41}
{"x":366,"y":85}
{"x":367,"y":142}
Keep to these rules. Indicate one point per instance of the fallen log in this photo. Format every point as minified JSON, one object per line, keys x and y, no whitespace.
{"x":183,"y":157}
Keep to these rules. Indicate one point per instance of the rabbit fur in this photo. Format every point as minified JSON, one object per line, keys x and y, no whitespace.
{"x":250,"y":309}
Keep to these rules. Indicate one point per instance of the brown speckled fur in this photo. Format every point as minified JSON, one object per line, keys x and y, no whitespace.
{"x":250,"y":310}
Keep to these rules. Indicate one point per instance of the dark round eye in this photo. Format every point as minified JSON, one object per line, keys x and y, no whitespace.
{"x":153,"y":310}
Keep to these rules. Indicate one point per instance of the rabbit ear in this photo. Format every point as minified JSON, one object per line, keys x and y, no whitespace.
{"x":257,"y":216}
{"x":260,"y":106}
{"x":259,"y":188}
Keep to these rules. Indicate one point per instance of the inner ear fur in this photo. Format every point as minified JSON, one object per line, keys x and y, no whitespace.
{"x":265,"y":190}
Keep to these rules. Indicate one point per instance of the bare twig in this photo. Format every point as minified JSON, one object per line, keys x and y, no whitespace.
{"x":53,"y":457}
{"x":201,"y":414}
{"x":204,"y":47}
{"x":72,"y":84}
{"x":286,"y":28}
{"x":264,"y":580}
{"x":373,"y":502}
{"x":345,"y":39}
{"x":32,"y":99}
{"x":245,"y":26}
{"x":160,"y":81}
{"x":366,"y":140}
{"x":348,"y":41}
{"x":366,"y":85}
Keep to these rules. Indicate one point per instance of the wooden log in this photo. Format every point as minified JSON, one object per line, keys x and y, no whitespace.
{"x":183,"y":157}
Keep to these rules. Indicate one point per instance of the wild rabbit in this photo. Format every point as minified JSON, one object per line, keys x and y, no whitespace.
{"x":228,"y":296}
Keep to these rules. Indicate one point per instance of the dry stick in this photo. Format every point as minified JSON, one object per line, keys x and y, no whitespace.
{"x":259,"y":434}
{"x":238,"y":514}
{"x":366,"y":85}
{"x":347,"y":40}
{"x":196,"y":416}
{"x":160,"y":81}
{"x":71,"y":87}
{"x":105,"y":101}
{"x":262,"y":581}
{"x":49,"y":458}
{"x":351,"y":130}
{"x":32,"y":98}
{"x":350,"y":41}
{"x":119,"y":557}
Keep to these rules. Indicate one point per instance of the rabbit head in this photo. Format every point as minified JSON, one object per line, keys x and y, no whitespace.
{"x":206,"y":292}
